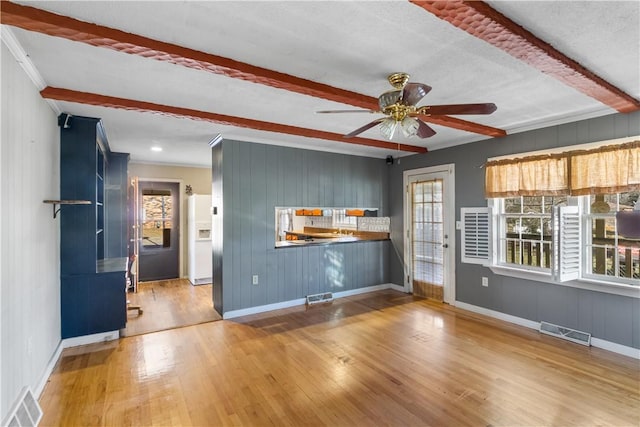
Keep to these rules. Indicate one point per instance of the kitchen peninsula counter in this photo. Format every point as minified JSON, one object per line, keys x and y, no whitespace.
{"x":312,"y":236}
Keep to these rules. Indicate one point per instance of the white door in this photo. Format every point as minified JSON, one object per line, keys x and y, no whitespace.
{"x":430,"y":232}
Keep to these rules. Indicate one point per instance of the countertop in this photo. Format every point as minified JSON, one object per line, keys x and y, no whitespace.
{"x":316,"y":238}
{"x":109,"y":265}
{"x":318,"y":234}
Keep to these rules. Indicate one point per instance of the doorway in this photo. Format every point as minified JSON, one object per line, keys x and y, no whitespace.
{"x":429,"y":211}
{"x":159,"y":225}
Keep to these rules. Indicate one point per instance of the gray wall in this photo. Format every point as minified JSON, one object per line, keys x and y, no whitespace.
{"x":255,"y":179}
{"x":609,"y":317}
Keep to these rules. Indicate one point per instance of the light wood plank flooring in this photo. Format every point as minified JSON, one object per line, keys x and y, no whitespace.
{"x":169,"y":304}
{"x":383,"y":358}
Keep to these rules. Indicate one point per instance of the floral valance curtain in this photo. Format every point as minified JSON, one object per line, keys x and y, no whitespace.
{"x":608,"y":169}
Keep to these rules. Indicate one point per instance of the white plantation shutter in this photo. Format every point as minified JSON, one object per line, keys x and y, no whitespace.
{"x":476,"y":235}
{"x":566,"y":243}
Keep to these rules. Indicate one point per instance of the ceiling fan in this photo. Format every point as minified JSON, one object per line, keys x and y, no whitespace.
{"x":399,"y":105}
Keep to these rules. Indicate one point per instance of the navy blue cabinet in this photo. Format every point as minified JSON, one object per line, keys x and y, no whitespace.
{"x":93,"y":238}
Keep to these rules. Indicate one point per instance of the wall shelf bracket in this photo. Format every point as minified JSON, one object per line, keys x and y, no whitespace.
{"x":56,"y":204}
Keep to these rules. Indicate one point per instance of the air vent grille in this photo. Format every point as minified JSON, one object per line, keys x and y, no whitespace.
{"x":319,"y":298}
{"x":26,"y":411}
{"x":568,"y":334}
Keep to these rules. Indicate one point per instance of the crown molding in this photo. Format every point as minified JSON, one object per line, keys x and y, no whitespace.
{"x":14,"y":46}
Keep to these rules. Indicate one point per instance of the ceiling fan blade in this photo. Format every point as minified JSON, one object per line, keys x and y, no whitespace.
{"x":414,"y":92}
{"x":345,"y":111}
{"x":454,"y":109}
{"x":424,"y":130}
{"x":365,"y":127}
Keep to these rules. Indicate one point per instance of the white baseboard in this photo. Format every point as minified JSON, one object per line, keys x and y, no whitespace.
{"x":301,"y":301}
{"x":595,"y":342}
{"x":37,"y":392}
{"x":616,"y":348}
{"x":498,"y":315}
{"x":90,"y":339}
{"x":263,"y":308}
{"x":359,"y":291}
{"x":397,"y":288}
{"x":202,"y":281}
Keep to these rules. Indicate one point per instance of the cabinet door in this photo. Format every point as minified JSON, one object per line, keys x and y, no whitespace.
{"x":93,"y":303}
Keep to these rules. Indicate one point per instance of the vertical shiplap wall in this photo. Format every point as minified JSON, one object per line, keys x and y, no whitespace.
{"x":256,"y":179}
{"x":30,"y":254}
{"x":609,"y":317}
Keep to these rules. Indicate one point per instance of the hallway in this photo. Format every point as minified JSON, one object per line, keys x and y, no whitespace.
{"x":168,"y":304}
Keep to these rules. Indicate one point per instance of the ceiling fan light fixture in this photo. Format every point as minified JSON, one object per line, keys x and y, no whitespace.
{"x":409,"y":126}
{"x":388,"y":127}
{"x":389,"y":98}
{"x":401,"y":109}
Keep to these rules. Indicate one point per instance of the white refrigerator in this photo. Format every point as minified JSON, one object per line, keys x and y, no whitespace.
{"x":199,"y":237}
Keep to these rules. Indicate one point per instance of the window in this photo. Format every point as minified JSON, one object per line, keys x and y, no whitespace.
{"x":610,"y":256}
{"x":342,"y":220}
{"x":557,"y":218}
{"x":284,"y":222}
{"x":157,"y":208}
{"x":528,"y":235}
{"x":525,"y":231}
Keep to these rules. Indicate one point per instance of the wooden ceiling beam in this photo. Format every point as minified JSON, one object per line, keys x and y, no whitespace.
{"x":68,"y":95}
{"x":482,"y":21}
{"x":38,"y":20}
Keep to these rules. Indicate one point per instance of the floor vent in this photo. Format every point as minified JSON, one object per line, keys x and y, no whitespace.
{"x":26,"y":411}
{"x":319,"y":298}
{"x":568,"y":334}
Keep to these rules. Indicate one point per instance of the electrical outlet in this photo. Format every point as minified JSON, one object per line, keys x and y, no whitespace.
{"x":485,"y":282}
{"x":255,"y":279}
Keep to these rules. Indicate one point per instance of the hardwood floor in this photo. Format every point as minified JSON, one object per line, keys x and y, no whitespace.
{"x":169,"y":304}
{"x":383,"y":358}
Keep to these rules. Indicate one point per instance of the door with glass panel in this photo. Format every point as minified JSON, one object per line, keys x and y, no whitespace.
{"x":429,"y":253}
{"x":159,"y":213}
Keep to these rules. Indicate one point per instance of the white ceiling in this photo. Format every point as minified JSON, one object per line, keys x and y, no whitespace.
{"x":348,"y":45}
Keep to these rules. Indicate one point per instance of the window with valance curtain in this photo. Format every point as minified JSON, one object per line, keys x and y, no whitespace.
{"x":607,"y":169}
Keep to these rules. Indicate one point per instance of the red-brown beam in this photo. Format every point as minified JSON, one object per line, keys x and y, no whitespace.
{"x":481,"y":20}
{"x":141,"y":106}
{"x":33,"y":19}
{"x":456,"y":123}
{"x":38,"y":20}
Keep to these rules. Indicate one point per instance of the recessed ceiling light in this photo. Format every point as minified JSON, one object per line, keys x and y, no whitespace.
{"x":156,"y":148}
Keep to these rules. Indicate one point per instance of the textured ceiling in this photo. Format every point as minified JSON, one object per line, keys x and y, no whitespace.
{"x":349,"y":46}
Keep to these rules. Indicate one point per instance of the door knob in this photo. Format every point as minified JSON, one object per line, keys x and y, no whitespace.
{"x":445,"y":245}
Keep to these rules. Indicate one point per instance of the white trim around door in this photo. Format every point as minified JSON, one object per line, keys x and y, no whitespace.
{"x":447,"y":173}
